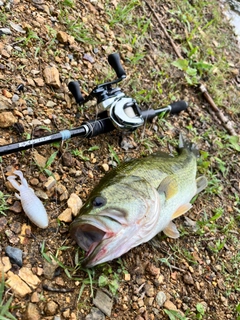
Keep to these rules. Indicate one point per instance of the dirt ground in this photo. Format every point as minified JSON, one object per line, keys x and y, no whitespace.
{"x":197,"y":275}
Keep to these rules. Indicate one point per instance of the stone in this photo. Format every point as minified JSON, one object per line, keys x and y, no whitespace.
{"x":188,"y":279}
{"x":51,"y":76}
{"x":27,"y":275}
{"x":18,"y":286}
{"x":66,"y":215}
{"x":149,"y":290}
{"x":39,"y":82}
{"x":5,"y":265}
{"x":39,"y":159}
{"x":50,"y":183}
{"x":3,"y":223}
{"x":7,"y":119}
{"x":32,"y":312}
{"x":16,"y":207}
{"x":14,"y":254}
{"x":160,"y":298}
{"x":103,"y":302}
{"x":62,"y":37}
{"x":51,"y":308}
{"x":74,"y":203}
{"x":5,"y":103}
{"x":169,"y":305}
{"x":95,"y":315}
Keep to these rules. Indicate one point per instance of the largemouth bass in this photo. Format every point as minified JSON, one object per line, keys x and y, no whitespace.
{"x":135,"y":201}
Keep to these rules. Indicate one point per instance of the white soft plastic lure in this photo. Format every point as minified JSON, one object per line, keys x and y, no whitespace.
{"x":31,"y":204}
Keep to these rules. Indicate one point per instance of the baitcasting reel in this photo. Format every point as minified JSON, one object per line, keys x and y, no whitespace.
{"x":116,"y":111}
{"x":123,"y":111}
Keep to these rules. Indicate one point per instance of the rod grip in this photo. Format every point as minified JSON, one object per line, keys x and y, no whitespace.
{"x":115,"y":63}
{"x":178,"y":106}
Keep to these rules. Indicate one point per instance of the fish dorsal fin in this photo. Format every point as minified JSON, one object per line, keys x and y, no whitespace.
{"x":181,"y":210}
{"x":201,"y":183}
{"x":171,"y":231}
{"x":169,"y":187}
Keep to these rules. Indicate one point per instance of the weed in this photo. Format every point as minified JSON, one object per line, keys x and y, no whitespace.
{"x":175,"y":315}
{"x":200,"y":311}
{"x":80,"y":153}
{"x":113,"y":154}
{"x":5,"y":313}
{"x":122,"y":13}
{"x":3,"y":203}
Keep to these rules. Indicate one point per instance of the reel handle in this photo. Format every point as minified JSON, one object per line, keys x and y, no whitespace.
{"x":74,"y":88}
{"x":115,"y":63}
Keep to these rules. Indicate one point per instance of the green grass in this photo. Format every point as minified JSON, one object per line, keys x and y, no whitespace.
{"x":5,"y":306}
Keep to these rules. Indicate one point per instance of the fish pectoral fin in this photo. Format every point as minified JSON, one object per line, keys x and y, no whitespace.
{"x":169,"y":187}
{"x":181,"y":210}
{"x":201,"y":183}
{"x":171,"y":231}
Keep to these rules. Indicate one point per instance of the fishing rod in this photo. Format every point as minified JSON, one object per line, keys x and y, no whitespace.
{"x":116,"y":110}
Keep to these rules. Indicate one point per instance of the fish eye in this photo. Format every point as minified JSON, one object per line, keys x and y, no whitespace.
{"x":99,"y":202}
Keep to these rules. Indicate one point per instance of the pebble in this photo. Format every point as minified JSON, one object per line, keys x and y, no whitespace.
{"x":105,"y":167}
{"x":103,"y":302}
{"x":7,"y":119}
{"x":66,"y":215}
{"x":51,"y":308}
{"x":95,"y":315}
{"x":74,"y":203}
{"x":169,"y":305}
{"x":50,"y":183}
{"x":149,"y":290}
{"x":188,"y":279}
{"x":14,"y":254}
{"x":32,"y":312}
{"x":5,"y":31}
{"x":3,"y":223}
{"x":5,"y":264}
{"x":18,"y":286}
{"x":27,"y":275}
{"x":51,"y":76}
{"x":161,"y":298}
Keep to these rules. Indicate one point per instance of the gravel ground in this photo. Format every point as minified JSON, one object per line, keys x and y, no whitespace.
{"x":44,"y":45}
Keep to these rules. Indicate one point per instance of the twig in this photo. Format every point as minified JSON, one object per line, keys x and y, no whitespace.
{"x":226,"y":123}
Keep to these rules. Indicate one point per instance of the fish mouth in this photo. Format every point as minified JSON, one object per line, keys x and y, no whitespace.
{"x":93,"y":235}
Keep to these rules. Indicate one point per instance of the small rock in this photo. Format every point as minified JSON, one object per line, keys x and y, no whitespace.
{"x":66,"y":215}
{"x":127,"y":277}
{"x":89,"y":58}
{"x":27,"y":275}
{"x":32,"y":312}
{"x":49,"y":269}
{"x":5,"y":31}
{"x":39,"y":82}
{"x":3,"y":223}
{"x":62,"y":37}
{"x":105,"y":167}
{"x":153,"y":270}
{"x":5,"y":264}
{"x":50,"y":183}
{"x":7,"y":119}
{"x":74,"y":203}
{"x":35,"y":297}
{"x":41,"y":194}
{"x":5,"y":103}
{"x":161,"y":298}
{"x":17,"y":27}
{"x":16,"y":207}
{"x":18,"y":286}
{"x":51,"y":308}
{"x":39,"y":159}
{"x":103,"y":302}
{"x":67,"y":159}
{"x":95,"y":315}
{"x":149,"y":290}
{"x":51,"y":76}
{"x":14,"y":254}
{"x":169,"y":305}
{"x":188,"y":279}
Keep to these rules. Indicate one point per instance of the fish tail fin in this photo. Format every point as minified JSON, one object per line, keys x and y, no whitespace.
{"x":185,"y":144}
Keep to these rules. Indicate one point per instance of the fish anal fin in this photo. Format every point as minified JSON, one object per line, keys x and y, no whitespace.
{"x":169,"y":187}
{"x":171,"y":231}
{"x":201,"y":183}
{"x":181,"y":210}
